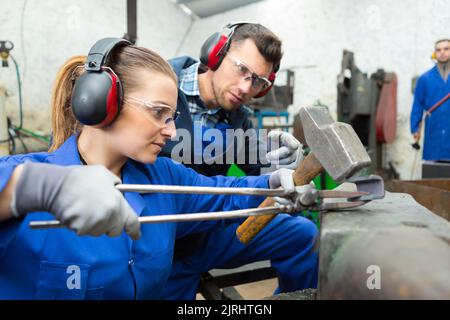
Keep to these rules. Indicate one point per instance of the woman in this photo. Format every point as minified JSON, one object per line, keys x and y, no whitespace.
{"x":59,"y":264}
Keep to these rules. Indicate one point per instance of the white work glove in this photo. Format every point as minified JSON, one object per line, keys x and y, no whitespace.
{"x":82,"y":198}
{"x":289,"y":154}
{"x":283,"y":178}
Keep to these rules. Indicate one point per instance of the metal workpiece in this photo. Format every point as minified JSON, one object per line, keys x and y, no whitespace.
{"x":328,"y":206}
{"x":387,"y":249}
{"x":373,"y":185}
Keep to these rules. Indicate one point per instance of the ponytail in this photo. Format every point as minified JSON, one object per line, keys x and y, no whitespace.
{"x":125,"y":62}
{"x":64,"y":123}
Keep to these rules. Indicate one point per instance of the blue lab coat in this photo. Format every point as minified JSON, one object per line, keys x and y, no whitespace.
{"x":430,"y":89}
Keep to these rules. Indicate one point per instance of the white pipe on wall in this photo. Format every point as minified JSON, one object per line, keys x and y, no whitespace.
{"x":4,"y":146}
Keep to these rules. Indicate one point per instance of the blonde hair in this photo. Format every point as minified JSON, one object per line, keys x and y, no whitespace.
{"x":125,"y":62}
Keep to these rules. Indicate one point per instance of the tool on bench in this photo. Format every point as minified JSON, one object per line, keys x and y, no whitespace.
{"x":307,"y":197}
{"x":335,"y":147}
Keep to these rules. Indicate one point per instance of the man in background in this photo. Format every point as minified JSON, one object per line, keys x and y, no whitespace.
{"x":433,"y":89}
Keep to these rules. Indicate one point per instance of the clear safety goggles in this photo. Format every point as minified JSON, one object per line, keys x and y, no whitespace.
{"x":241,"y":69}
{"x":160,"y":112}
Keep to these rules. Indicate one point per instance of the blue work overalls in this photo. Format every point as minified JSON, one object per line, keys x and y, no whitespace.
{"x":431,"y":88}
{"x":58,"y":264}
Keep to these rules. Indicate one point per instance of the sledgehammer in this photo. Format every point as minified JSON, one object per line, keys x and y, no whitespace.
{"x":335,"y":147}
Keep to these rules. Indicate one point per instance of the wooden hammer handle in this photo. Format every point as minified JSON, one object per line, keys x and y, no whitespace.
{"x":308,"y":169}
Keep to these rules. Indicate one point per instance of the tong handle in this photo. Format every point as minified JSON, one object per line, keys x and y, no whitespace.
{"x":308,"y":169}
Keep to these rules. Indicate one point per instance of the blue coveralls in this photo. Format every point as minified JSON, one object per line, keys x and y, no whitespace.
{"x":430,"y":89}
{"x":40,"y":264}
{"x":288,"y":242}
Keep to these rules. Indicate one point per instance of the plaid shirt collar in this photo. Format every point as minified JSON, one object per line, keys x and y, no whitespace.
{"x":189,"y":80}
{"x":189,"y":85}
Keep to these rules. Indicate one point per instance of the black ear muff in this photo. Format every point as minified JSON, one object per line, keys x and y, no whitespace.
{"x":96,"y":98}
{"x":97,"y":95}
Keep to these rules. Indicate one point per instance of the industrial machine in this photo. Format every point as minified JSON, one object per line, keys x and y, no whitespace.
{"x":369,"y":104}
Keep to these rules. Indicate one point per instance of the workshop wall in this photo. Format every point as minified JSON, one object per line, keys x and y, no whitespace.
{"x":395,"y":35}
{"x":398,"y":36}
{"x":46,"y":33}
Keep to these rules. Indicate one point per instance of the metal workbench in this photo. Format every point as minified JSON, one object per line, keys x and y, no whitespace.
{"x":395,"y":239}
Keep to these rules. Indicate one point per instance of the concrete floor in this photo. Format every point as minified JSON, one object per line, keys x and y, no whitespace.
{"x":255,"y":290}
{"x":258,"y":290}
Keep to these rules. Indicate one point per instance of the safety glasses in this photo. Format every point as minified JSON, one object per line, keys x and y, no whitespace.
{"x":161,"y":113}
{"x":241,"y":69}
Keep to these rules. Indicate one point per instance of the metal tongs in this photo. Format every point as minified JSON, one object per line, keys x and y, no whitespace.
{"x":368,"y":188}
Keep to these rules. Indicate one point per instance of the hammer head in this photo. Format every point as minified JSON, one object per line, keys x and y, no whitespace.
{"x":335,"y":144}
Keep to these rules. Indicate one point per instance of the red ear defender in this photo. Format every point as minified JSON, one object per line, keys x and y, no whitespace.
{"x":213,"y":50}
{"x":216,"y":46}
{"x":113,"y":100}
{"x":265,"y":91}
